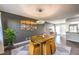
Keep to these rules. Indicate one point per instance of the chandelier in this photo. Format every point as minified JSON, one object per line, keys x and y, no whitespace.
{"x":28,"y":25}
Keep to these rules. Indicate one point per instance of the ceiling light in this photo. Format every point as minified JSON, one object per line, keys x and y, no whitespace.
{"x":40,"y":10}
{"x":40,"y":22}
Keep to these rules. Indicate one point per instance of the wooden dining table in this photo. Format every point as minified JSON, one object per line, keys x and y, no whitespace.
{"x":41,"y":41}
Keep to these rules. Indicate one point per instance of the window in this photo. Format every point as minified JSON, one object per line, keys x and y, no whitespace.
{"x":73,"y":28}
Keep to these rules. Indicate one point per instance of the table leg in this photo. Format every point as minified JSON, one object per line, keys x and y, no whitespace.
{"x":41,"y":49}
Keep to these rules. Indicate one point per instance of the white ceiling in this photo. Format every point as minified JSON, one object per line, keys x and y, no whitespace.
{"x":50,"y":11}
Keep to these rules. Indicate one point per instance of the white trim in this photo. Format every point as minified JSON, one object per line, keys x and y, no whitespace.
{"x":21,"y":42}
{"x":1,"y":37}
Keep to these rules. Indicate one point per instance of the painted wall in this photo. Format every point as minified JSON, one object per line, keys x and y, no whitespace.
{"x":22,"y":35}
{"x":12,"y":21}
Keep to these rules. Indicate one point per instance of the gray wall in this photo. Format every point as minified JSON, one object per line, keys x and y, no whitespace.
{"x":12,"y":21}
{"x":47,"y":27}
{"x":22,"y":35}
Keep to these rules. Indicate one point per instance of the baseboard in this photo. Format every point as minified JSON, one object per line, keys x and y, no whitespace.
{"x":21,"y":43}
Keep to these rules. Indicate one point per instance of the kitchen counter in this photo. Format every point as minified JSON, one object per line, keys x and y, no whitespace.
{"x":72,"y":36}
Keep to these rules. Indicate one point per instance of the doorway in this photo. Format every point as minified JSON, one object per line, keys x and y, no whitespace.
{"x":58,"y":34}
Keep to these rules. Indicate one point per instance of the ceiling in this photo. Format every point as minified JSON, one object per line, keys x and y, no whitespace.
{"x":46,"y":12}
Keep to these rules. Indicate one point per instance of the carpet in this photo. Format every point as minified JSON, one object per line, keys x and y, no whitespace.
{"x":60,"y":50}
